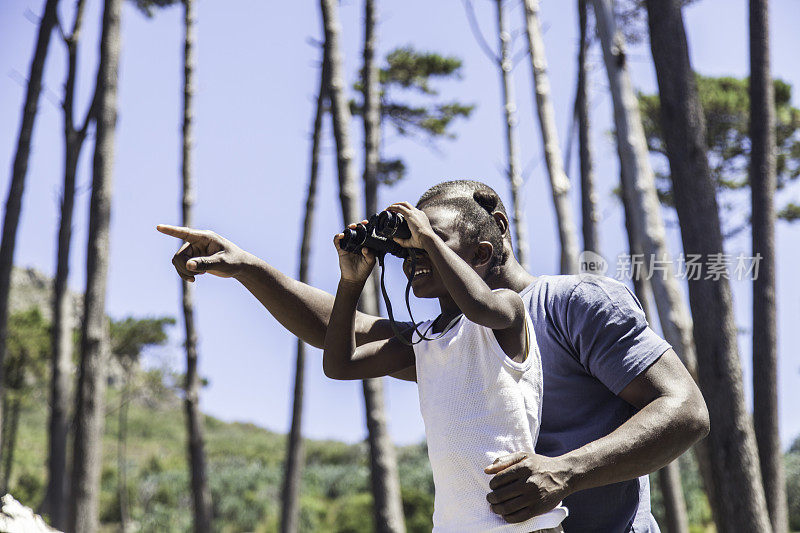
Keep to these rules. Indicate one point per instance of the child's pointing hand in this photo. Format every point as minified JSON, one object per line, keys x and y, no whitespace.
{"x":418,"y":223}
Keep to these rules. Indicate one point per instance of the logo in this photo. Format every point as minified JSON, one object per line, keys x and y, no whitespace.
{"x":592,"y":263}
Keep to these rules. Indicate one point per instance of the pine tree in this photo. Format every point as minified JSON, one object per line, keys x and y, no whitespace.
{"x":559,"y":184}
{"x":765,"y":346}
{"x":90,"y":409}
{"x":737,"y":492}
{"x":54,"y":503}
{"x":20,"y":170}
{"x":385,"y":485}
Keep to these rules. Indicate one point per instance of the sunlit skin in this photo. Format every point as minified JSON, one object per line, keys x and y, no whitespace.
{"x":670,"y":412}
{"x":426,"y":281}
{"x":451,"y":270}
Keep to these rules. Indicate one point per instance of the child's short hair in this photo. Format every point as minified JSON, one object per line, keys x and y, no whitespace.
{"x":475,"y":204}
{"x":480,"y":192}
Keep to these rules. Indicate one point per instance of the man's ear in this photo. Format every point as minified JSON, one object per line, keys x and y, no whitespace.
{"x":502,"y":222}
{"x":483,"y":254}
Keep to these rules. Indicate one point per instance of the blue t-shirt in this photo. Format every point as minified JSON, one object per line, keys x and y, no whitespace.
{"x":594,"y":340}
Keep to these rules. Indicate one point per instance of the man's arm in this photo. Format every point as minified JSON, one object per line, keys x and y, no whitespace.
{"x":302,"y":309}
{"x":672,"y":416}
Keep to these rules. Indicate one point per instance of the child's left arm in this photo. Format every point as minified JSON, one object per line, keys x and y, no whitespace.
{"x":501,"y":310}
{"x":341,"y":358}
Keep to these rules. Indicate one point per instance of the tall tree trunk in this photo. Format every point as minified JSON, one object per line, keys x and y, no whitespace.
{"x":589,"y":215}
{"x":201,"y":496}
{"x":510,"y":110}
{"x":383,"y":461}
{"x":645,"y":212}
{"x":290,"y":513}
{"x":669,"y":477}
{"x":738,"y":494}
{"x":385,"y":483}
{"x":10,"y":443}
{"x":559,"y":184}
{"x":122,"y":451}
{"x":20,"y":169}
{"x":639,"y":189}
{"x":89,"y":413}
{"x":54,"y":503}
{"x":11,"y":422}
{"x":762,"y":187}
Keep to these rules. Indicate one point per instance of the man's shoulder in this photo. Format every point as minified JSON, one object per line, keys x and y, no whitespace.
{"x":571,"y":286}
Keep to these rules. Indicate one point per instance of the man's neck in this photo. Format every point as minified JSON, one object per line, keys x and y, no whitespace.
{"x":511,"y":276}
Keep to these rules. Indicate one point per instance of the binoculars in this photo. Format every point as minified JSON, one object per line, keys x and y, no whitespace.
{"x":376,"y":235}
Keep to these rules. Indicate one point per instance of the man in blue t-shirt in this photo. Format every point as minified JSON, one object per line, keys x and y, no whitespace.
{"x":617,"y":404}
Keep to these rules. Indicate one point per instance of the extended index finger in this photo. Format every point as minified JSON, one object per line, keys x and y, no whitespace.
{"x":187,"y":234}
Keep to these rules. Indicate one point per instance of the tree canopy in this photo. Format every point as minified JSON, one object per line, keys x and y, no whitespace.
{"x":726,"y":108}
{"x":409,"y":102}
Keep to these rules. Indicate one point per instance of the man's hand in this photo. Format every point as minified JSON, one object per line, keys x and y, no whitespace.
{"x":526,"y":485}
{"x":204,"y":251}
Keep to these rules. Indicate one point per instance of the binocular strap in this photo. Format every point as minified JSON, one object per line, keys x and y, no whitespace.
{"x":415,"y":325}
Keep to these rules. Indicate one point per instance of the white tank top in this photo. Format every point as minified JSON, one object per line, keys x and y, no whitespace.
{"x":477,"y":404}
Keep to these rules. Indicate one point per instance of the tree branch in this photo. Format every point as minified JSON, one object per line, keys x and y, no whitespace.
{"x":476,"y":32}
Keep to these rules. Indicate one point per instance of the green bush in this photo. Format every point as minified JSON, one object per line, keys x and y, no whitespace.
{"x":793,"y":488}
{"x":350,"y":514}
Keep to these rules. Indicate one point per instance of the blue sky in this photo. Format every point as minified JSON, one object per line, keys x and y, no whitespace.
{"x":257,"y":77}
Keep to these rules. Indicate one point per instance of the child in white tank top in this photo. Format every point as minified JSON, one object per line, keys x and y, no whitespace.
{"x":479,"y":377}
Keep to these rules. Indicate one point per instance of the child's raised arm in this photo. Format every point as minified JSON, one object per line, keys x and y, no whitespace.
{"x":501,"y":310}
{"x":341,"y":359}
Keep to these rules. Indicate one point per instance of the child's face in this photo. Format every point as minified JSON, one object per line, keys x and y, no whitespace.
{"x":426,"y":282}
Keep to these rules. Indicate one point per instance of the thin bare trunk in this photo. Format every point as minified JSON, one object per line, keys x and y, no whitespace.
{"x":559,"y":183}
{"x":20,"y":170}
{"x":589,"y":214}
{"x":10,"y":443}
{"x":383,"y":461}
{"x":669,"y":481}
{"x":385,"y":484}
{"x":290,"y":513}
{"x":201,"y":496}
{"x":54,"y":503}
{"x":640,"y":190}
{"x":762,"y":186}
{"x":645,"y":212}
{"x":738,"y":495}
{"x":11,"y":422}
{"x":505,"y":65}
{"x":669,"y":477}
{"x":89,"y":413}
{"x":122,"y":452}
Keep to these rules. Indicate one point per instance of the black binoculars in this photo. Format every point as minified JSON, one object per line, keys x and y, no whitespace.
{"x":376,"y":235}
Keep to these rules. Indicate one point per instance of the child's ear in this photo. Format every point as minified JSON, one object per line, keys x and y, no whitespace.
{"x":483,"y":254}
{"x":502,"y":222}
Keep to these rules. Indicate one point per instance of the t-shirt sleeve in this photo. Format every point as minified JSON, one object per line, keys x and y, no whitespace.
{"x":609,"y":332}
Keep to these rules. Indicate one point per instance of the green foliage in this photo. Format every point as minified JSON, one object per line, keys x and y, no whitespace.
{"x":793,"y":484}
{"x":27,"y":351}
{"x":790,"y":212}
{"x":417,"y":509}
{"x":697,"y":506}
{"x":148,"y":7}
{"x":347,"y":514}
{"x":130,"y":336}
{"x":409,"y":104}
{"x":726,"y":109}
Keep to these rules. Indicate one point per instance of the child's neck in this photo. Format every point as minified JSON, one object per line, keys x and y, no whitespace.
{"x":449,"y":311}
